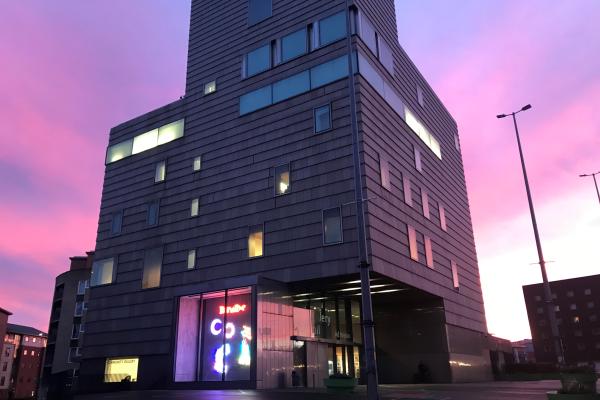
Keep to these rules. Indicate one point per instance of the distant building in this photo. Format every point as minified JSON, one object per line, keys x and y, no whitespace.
{"x":66,"y":326}
{"x":577,"y":306}
{"x":501,"y":354}
{"x":21,"y":361}
{"x":4,"y":314}
{"x":523,"y":351}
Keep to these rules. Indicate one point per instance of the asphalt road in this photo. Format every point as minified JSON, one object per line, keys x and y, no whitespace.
{"x":478,"y":391}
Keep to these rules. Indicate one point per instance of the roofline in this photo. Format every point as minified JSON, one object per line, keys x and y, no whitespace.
{"x":563,"y":280}
{"x":2,"y":310}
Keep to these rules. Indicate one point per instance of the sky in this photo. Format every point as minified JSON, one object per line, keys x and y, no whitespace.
{"x":71,"y":70}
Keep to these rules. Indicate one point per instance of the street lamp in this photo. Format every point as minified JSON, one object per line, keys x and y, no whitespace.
{"x":595,"y":181}
{"x":547,"y":293}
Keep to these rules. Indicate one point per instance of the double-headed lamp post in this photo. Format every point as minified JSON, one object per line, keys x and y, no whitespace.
{"x":595,"y":181}
{"x":547,"y":293}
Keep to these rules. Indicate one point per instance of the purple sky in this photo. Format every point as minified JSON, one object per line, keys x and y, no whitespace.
{"x":71,"y":70}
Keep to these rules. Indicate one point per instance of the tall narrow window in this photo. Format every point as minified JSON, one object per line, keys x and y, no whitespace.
{"x":455,"y":280}
{"x":152,"y":215}
{"x":282,"y":179}
{"x":102,"y":272}
{"x":428,"y":252}
{"x":425,"y":201}
{"x":443,"y":218}
{"x":256,"y":241}
{"x":456,"y":142}
{"x":210,"y":87}
{"x":384,"y":171}
{"x":420,"y":97}
{"x":191,"y":259}
{"x":152,"y":268}
{"x":198,"y":163}
{"x":116,"y":223}
{"x":322,"y":117}
{"x":195,"y":207}
{"x":418,"y":164}
{"x":332,"y":226}
{"x":412,"y":243}
{"x":259,"y":10}
{"x":294,"y":45}
{"x":160,"y":172}
{"x":407,"y":190}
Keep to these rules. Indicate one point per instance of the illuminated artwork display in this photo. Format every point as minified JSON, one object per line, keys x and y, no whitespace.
{"x":120,"y":369}
{"x":226,"y":335}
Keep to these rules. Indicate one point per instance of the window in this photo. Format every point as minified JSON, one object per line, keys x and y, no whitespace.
{"x":573,"y":307}
{"x":367,"y":33}
{"x":259,"y":10}
{"x":443,"y":218}
{"x":102,"y":272}
{"x":590,"y":304}
{"x":256,"y":241}
{"x":258,"y":60}
{"x":328,"y":72}
{"x":195,"y":207}
{"x":160,"y":172}
{"x":540,"y":310}
{"x":282,"y":179}
{"x":456,"y":142}
{"x":587,"y":292}
{"x":407,"y":190}
{"x":455,"y":279}
{"x":76,"y":331}
{"x":145,"y":141}
{"x":538,"y":298}
{"x":385,"y":55}
{"x":384,"y":172}
{"x":256,"y":100}
{"x":191,"y":259}
{"x":292,"y":86}
{"x":210,"y":87}
{"x":425,"y":201}
{"x":24,"y":352}
{"x":322,"y":117}
{"x":197,"y":163}
{"x":332,"y":28}
{"x":119,"y":151}
{"x":332,"y":226}
{"x":556,"y":308}
{"x":79,"y":306}
{"x":116,"y":223}
{"x":152,"y":213}
{"x":82,"y":286}
{"x":412,"y":243}
{"x":428,"y":252}
{"x":119,"y":369}
{"x":294,"y":45}
{"x":420,"y":97}
{"x":152,"y":268}
{"x":570,"y":293}
{"x":418,"y":164}
{"x":578,"y":333}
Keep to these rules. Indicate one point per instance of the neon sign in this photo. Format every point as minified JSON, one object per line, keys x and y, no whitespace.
{"x":238,"y":308}
{"x":216,"y":326}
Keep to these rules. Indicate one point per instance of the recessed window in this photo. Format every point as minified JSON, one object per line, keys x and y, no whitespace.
{"x":455,"y":277}
{"x":195,"y":207}
{"x":420,"y":97}
{"x":418,"y":164}
{"x":152,"y":213}
{"x":412,"y":243}
{"x":258,"y":60}
{"x":256,"y":241}
{"x":121,"y":369}
{"x":116,"y":223}
{"x":587,"y":292}
{"x":573,"y":307}
{"x":210,"y":87}
{"x":259,"y":10}
{"x":443,"y":218}
{"x":428,"y":252}
{"x":332,"y":226}
{"x":425,"y":201}
{"x":197,"y":163}
{"x":191,"y":259}
{"x":294,"y":45}
{"x":384,"y":172}
{"x":152,"y":268}
{"x":160,"y":172}
{"x":332,"y":28}
{"x":322,"y":117}
{"x":407,"y":190}
{"x":282,"y":179}
{"x":102,"y":272}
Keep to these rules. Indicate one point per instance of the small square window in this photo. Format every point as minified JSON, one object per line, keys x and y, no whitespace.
{"x":573,"y":307}
{"x":198,"y":163}
{"x":116,"y":223}
{"x":282,"y":180}
{"x":332,"y":226}
{"x":587,"y":292}
{"x":540,"y":310}
{"x":160,"y":173}
{"x":191,"y":259}
{"x":102,"y":272}
{"x":418,"y":164}
{"x":195,"y":207}
{"x":570,"y":293}
{"x":256,"y":241}
{"x":322,"y":117}
{"x":590,"y":304}
{"x":210,"y":87}
{"x":538,"y":298}
{"x":556,"y":308}
{"x":152,"y":213}
{"x":425,"y":201}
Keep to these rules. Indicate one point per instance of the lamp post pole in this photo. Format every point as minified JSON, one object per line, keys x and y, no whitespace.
{"x":595,"y":181}
{"x":547,"y":293}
